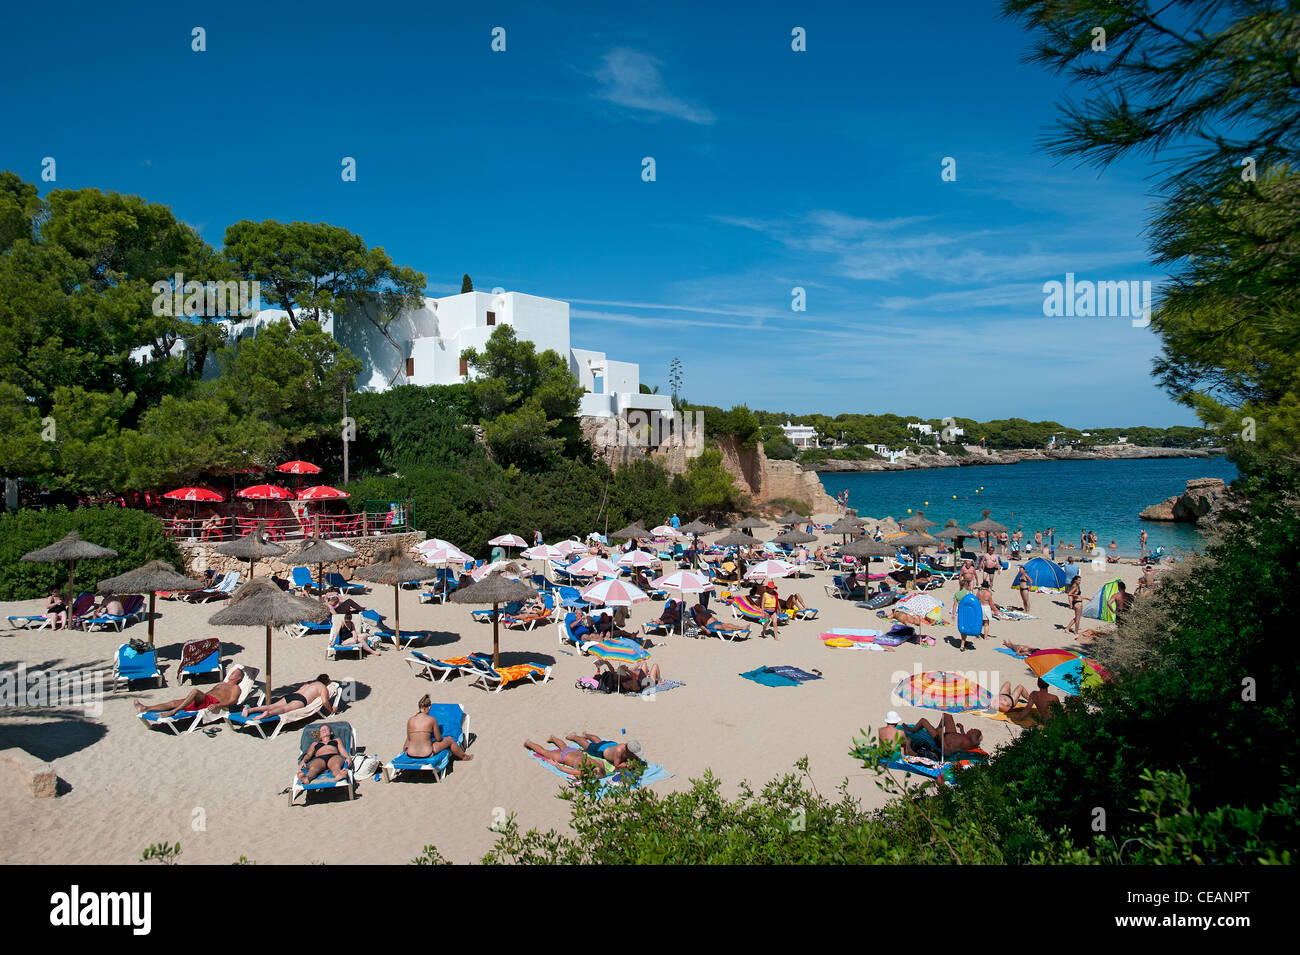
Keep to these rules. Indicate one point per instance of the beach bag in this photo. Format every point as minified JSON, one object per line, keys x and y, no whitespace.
{"x":587,"y":683}
{"x":607,"y":682}
{"x":139,"y":646}
{"x":367,"y":765}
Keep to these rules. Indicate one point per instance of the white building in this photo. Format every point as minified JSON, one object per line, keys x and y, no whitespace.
{"x":800,"y":435}
{"x":423,"y":346}
{"x":920,"y":427}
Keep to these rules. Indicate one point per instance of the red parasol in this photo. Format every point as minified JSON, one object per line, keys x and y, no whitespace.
{"x":321,"y":492}
{"x":193,"y":494}
{"x":298,"y":467}
{"x":266,"y":492}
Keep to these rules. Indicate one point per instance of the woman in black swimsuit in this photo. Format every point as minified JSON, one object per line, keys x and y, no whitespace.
{"x":1075,"y":594}
{"x":326,"y":753}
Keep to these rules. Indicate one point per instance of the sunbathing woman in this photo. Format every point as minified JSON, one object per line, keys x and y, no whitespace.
{"x":1036,"y":705}
{"x":327,"y":752}
{"x":633,"y":679}
{"x":569,"y":759}
{"x":225,"y":693}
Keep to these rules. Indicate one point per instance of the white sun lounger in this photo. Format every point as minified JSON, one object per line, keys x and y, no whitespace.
{"x":248,"y":689}
{"x":278,"y":723}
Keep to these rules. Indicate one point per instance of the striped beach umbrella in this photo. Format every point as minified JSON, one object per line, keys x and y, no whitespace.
{"x":1066,"y":670}
{"x":194,"y":494}
{"x":625,"y":651}
{"x":322,"y":492}
{"x":544,"y":552}
{"x":508,"y":541}
{"x":684,"y":582}
{"x":614,"y":593}
{"x":298,"y":467}
{"x":942,"y":690}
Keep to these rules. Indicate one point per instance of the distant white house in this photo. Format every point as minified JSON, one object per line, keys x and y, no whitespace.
{"x":800,"y":435}
{"x":423,"y":346}
{"x":920,"y":427}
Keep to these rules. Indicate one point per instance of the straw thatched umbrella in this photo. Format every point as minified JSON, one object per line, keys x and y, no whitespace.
{"x":494,"y":589}
{"x":915,"y":541}
{"x":320,"y":552}
{"x":917,"y":522}
{"x":259,"y":603}
{"x":791,"y":518}
{"x":71,"y":549}
{"x":846,"y":527}
{"x":634,"y":531}
{"x":956,"y":533}
{"x":696,"y":526}
{"x":393,"y":566}
{"x":252,"y":546}
{"x":749,"y":523}
{"x":987,"y":525}
{"x":152,"y":577}
{"x":734,"y":539}
{"x":866,"y":548}
{"x":796,"y":537}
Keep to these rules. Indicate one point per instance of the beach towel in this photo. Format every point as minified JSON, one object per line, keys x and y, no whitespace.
{"x":780,"y":676}
{"x":661,"y":688}
{"x":652,"y":774}
{"x":995,"y":715}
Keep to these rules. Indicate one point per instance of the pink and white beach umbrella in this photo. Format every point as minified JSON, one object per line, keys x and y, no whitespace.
{"x":544,"y":552}
{"x":444,"y":555}
{"x":508,"y":540}
{"x":637,"y":558}
{"x":769,"y":570}
{"x":684,"y":582}
{"x":663,"y":530}
{"x":569,"y":548}
{"x":507,"y":568}
{"x":614,"y":593}
{"x":594,"y":566}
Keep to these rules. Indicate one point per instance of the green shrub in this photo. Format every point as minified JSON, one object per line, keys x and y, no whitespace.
{"x":136,"y":536}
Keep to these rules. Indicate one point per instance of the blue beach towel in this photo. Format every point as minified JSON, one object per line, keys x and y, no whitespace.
{"x":661,"y":688}
{"x":780,"y":676}
{"x":653,"y":773}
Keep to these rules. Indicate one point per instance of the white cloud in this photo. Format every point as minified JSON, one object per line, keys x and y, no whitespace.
{"x":632,"y":79}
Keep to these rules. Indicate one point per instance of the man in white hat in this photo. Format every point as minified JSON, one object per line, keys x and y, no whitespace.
{"x":892,"y":737}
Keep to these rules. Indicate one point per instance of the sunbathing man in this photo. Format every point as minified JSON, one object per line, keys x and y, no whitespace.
{"x":309,"y":692}
{"x":1037,"y":703}
{"x":670,"y":617}
{"x":1121,"y":600}
{"x":225,"y":693}
{"x":620,"y":754}
{"x":948,"y":737}
{"x":327,"y":752}
{"x":705,"y":619}
{"x":569,"y":759}
{"x":424,"y":737}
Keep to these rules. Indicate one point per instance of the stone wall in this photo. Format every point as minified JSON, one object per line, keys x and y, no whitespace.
{"x":200,"y":556}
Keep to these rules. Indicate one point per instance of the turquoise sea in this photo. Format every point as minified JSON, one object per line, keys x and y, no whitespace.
{"x":1101,"y":496}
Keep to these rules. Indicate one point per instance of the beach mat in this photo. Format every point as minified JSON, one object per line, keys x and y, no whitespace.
{"x":780,"y":676}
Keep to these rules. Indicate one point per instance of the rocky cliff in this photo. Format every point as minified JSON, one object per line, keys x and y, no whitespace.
{"x":1199,"y":503}
{"x":762,"y":479}
{"x":977,"y":455}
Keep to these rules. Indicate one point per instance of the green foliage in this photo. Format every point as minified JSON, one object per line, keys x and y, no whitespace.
{"x":412,"y":425}
{"x":243,"y":860}
{"x":163,"y":853}
{"x":430,"y":855}
{"x":776,"y":445}
{"x":1207,"y":90}
{"x":137,"y":537}
{"x":466,"y":284}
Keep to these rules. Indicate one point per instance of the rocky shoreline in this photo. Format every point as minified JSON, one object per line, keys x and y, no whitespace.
{"x":1200,"y":503}
{"x":977,"y":456}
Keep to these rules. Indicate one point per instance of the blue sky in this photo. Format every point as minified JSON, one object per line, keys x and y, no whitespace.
{"x":774,"y":169}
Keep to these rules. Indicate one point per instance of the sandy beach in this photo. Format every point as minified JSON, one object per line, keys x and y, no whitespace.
{"x":222,"y":794}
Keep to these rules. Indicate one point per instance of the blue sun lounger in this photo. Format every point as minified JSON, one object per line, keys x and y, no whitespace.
{"x":453,"y":722}
{"x":128,"y":665}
